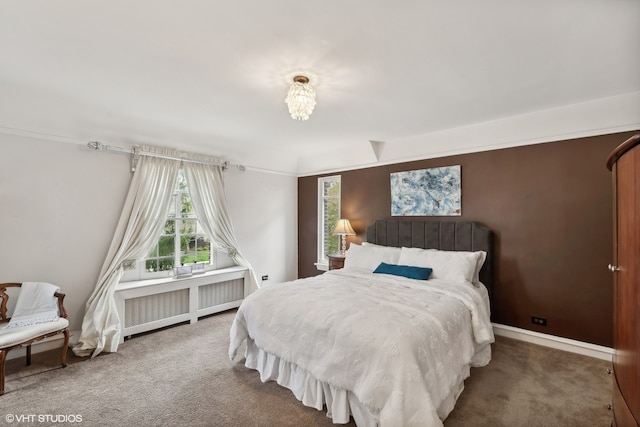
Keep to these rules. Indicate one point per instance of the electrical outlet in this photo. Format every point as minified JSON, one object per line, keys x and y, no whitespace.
{"x":540,"y":321}
{"x":265,"y":277}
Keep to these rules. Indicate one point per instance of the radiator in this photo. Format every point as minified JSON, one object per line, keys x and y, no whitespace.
{"x":141,"y":310}
{"x":220,"y":293}
{"x":147,"y":305}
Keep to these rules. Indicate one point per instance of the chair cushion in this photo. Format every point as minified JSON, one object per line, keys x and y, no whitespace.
{"x":13,"y":336}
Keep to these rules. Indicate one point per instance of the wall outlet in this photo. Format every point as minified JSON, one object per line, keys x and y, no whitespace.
{"x":540,"y":321}
{"x":265,"y":277}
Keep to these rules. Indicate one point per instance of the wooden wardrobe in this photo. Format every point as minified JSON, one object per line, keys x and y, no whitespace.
{"x":624,"y":163}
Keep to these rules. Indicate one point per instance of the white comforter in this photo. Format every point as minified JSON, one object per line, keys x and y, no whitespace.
{"x":402,"y":346}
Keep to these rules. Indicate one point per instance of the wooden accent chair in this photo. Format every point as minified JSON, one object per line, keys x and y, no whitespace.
{"x":24,"y":336}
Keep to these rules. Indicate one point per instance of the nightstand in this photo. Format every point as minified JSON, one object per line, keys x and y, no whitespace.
{"x":336,"y":261}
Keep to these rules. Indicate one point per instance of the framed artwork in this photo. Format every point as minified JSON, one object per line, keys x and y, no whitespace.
{"x":427,"y":192}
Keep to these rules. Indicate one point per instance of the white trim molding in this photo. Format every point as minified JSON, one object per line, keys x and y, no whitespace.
{"x":559,"y":343}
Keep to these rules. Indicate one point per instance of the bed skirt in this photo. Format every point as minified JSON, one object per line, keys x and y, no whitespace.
{"x":340,"y":404}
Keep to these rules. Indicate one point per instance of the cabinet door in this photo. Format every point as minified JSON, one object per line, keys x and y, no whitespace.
{"x":626,"y":359}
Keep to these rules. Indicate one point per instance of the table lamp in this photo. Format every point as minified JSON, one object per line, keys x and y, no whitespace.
{"x":343,"y":229}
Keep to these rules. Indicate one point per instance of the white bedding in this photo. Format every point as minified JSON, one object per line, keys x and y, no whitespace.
{"x":397,"y":347}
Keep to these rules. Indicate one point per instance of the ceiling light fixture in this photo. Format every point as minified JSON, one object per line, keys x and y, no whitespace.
{"x":301,"y":98}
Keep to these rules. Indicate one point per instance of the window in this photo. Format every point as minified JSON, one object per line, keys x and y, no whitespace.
{"x":183,"y":241}
{"x":328,"y":215}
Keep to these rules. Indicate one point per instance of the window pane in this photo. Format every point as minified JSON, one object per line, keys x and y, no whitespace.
{"x":203,"y":249}
{"x":195,"y":249}
{"x":331,"y":241}
{"x":166,"y":246}
{"x":154,"y":252}
{"x":151,"y":265}
{"x":188,"y":226}
{"x":186,"y":207}
{"x":170,"y":227}
{"x":329,"y":213}
{"x":187,"y":243}
{"x":165,"y":264}
{"x":331,"y":188}
{"x":181,"y":181}
{"x":159,"y":264}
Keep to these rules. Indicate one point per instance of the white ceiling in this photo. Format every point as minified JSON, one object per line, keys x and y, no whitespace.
{"x":211,"y":76}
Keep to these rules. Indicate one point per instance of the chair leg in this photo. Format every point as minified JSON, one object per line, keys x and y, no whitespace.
{"x":29,"y":355}
{"x":3,"y":356}
{"x":65,"y":346}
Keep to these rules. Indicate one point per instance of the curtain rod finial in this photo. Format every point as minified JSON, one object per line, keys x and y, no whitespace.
{"x":95,"y":145}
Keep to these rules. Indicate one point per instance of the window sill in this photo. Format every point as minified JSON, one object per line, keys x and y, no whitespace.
{"x":137,"y":284}
{"x":322,"y":266}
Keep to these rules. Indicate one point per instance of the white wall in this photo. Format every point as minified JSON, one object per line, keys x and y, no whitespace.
{"x":264,"y":211}
{"x":60,"y":203}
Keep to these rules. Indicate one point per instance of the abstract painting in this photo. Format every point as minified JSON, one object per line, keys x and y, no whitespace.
{"x":426,"y":192}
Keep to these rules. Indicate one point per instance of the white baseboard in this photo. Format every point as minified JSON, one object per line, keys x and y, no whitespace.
{"x":559,"y":343}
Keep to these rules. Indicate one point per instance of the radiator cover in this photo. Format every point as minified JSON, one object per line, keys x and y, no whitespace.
{"x":147,"y":305}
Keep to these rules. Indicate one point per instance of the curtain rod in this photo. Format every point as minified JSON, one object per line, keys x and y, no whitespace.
{"x":98,"y":146}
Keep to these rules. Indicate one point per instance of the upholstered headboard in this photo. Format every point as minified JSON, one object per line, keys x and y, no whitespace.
{"x":443,"y":235}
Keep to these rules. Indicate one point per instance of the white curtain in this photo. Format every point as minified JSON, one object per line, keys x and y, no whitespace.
{"x":140,"y":225}
{"x":206,"y":186}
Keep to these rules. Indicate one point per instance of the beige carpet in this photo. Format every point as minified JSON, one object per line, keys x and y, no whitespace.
{"x":182,"y":376}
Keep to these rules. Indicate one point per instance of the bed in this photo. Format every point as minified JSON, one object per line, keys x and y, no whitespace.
{"x":390,"y":338}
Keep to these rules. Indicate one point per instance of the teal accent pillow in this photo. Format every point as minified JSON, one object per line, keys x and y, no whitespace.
{"x":418,"y":273}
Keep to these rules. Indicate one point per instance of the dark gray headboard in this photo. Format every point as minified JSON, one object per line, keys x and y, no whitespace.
{"x":443,"y":235}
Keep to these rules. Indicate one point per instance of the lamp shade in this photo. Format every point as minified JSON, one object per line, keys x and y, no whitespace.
{"x":343,"y":227}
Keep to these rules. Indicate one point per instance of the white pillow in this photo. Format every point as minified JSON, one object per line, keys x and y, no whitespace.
{"x":370,"y":256}
{"x":481,"y":258}
{"x":451,"y":265}
{"x":373,"y":244}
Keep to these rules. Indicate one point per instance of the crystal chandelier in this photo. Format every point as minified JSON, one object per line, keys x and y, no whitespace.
{"x":301,"y":98}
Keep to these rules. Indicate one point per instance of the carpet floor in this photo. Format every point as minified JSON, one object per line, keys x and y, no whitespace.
{"x":182,"y":376}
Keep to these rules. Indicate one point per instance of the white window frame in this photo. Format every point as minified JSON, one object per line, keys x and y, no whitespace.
{"x":217,"y":259}
{"x":323,"y":261}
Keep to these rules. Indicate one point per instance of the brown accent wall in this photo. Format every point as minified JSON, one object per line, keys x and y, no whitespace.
{"x":551,"y":209}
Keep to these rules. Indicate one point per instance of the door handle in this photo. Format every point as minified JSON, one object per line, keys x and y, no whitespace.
{"x":613,"y":268}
